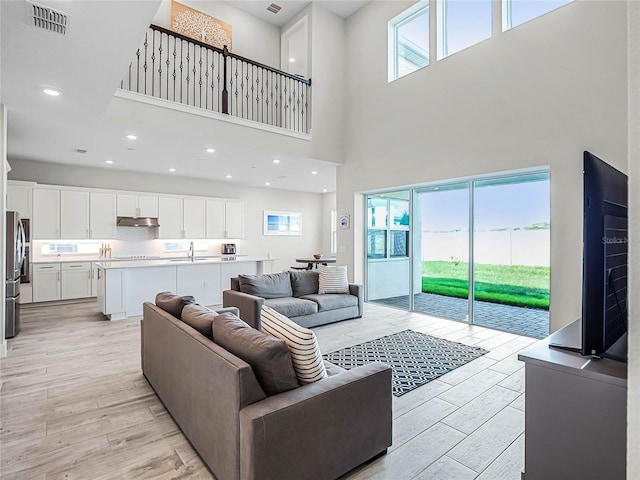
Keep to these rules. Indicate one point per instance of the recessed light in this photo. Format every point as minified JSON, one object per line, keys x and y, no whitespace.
{"x":51,"y":92}
{"x":324,"y":190}
{"x":108,"y":161}
{"x":211,"y":150}
{"x":314,"y":173}
{"x":267,"y":183}
{"x":132,"y":137}
{"x":292,"y":60}
{"x":275,"y":160}
{"x":172,"y":169}
{"x":227,"y":176}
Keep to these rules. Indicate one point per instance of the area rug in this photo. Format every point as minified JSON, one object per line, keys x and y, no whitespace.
{"x":415,"y":358}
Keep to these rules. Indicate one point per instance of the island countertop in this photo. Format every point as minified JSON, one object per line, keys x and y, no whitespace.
{"x":172,"y":262}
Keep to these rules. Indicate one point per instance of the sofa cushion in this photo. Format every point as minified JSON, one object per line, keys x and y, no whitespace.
{"x":172,"y":303}
{"x":268,"y":356}
{"x":333,"y":279}
{"x":332,"y":301}
{"x":302,"y":342}
{"x":270,"y":285}
{"x":292,"y":307}
{"x":200,"y":318}
{"x":304,"y":282}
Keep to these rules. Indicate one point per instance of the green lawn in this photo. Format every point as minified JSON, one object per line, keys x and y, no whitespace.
{"x":508,"y":284}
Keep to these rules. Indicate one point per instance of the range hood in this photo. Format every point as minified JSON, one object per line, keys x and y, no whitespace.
{"x":137,"y":222}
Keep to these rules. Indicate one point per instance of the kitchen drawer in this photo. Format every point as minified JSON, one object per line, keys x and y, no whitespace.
{"x":76,"y":266}
{"x":46,"y":267}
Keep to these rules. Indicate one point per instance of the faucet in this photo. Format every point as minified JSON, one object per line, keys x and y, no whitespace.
{"x":191,"y":253}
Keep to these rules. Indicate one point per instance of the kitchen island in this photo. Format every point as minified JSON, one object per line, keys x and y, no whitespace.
{"x":124,"y":286}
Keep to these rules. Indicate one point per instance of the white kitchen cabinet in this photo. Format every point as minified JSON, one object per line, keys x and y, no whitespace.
{"x":193,"y":218}
{"x":225,"y":219}
{"x":46,"y":214}
{"x":111,"y":292}
{"x":76,"y":280}
{"x":143,"y":284}
{"x":233,"y":269}
{"x":131,"y":205}
{"x":19,"y":198}
{"x":94,"y":280}
{"x":102,"y":215}
{"x":201,"y":281}
{"x":74,"y":214}
{"x":46,"y":282}
{"x":170,"y":217}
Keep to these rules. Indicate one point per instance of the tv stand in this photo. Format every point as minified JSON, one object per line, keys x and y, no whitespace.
{"x":575,"y":412}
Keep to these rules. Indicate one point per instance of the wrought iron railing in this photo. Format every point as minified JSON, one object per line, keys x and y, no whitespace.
{"x":177,"y":68}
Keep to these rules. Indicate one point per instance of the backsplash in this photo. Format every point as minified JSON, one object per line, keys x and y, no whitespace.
{"x":132,"y":242}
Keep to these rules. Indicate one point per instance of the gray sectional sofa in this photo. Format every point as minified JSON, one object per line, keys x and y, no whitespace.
{"x":320,"y":430}
{"x":293,"y":294}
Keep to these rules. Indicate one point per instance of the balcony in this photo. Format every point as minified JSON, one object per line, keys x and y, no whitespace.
{"x":179,"y":69}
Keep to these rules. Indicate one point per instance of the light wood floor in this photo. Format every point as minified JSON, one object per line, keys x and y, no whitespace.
{"x":74,"y":403}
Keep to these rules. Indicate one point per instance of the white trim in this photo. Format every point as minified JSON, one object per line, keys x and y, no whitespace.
{"x":159,"y":102}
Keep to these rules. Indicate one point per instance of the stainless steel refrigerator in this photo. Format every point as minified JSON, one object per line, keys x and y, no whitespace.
{"x":15,"y":257}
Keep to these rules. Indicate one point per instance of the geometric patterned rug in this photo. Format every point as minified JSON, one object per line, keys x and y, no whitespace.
{"x":415,"y":358}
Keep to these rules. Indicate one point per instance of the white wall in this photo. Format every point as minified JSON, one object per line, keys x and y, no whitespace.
{"x":3,"y":221}
{"x":256,"y":200}
{"x":328,"y":204}
{"x":536,"y":95}
{"x":633,"y":402}
{"x":251,"y":37}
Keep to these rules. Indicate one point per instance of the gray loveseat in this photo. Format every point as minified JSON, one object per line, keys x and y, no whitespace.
{"x":293,"y":294}
{"x":320,"y":430}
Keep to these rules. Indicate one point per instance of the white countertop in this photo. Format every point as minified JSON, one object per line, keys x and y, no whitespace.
{"x":178,"y":261}
{"x":92,"y":258}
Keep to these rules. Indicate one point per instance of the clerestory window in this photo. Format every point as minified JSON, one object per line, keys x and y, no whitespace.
{"x":409,"y":41}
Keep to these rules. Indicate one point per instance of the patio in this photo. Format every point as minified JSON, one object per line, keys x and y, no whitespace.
{"x":522,"y":321}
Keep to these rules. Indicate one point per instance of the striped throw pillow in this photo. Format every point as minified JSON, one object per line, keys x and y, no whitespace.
{"x":303,"y":345}
{"x":333,"y":279}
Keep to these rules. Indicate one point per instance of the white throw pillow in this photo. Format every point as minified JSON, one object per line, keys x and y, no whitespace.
{"x":333,"y":279}
{"x":303,"y":345}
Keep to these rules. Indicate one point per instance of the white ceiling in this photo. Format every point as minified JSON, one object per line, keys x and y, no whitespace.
{"x":88,"y":69}
{"x":344,"y":8}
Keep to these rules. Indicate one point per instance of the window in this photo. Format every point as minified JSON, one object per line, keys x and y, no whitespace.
{"x":461,"y":24}
{"x":180,"y":246}
{"x":517,"y":12}
{"x":409,"y":41}
{"x":69,"y":247}
{"x":388,"y":227}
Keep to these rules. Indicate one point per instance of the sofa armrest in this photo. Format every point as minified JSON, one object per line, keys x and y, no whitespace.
{"x":323,"y":429}
{"x":358,"y":291}
{"x":250,"y":306}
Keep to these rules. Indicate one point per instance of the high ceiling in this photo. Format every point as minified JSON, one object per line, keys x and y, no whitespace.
{"x":87,"y":70}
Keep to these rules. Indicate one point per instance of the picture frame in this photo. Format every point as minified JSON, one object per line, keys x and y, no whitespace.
{"x":344,"y":221}
{"x":282,"y":223}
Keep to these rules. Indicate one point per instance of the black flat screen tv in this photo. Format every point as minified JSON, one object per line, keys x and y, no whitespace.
{"x":604,"y":260}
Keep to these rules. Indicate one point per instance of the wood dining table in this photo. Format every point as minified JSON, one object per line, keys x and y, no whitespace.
{"x":311,"y":262}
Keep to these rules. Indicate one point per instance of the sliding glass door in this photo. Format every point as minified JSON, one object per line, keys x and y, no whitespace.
{"x":474,"y":251}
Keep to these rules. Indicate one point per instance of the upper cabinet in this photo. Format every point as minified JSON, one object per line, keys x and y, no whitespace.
{"x":132,"y":205}
{"x":19,"y":198}
{"x":102,"y":215}
{"x":181,"y":217}
{"x":225,"y":219}
{"x":74,"y":214}
{"x":46,"y":214}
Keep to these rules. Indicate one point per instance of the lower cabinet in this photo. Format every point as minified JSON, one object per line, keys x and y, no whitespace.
{"x":201,"y":281}
{"x":76,"y":280}
{"x":61,"y":281}
{"x":46,"y":282}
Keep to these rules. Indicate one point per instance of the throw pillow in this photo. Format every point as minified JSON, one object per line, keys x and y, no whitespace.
{"x":271,"y":285}
{"x":172,"y":303}
{"x":333,"y":279}
{"x":268,"y":357}
{"x":200,"y":318}
{"x":304,"y":282}
{"x":302,"y":342}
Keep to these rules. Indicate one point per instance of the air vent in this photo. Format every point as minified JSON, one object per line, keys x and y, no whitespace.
{"x":274,"y":8}
{"x":47,"y":18}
